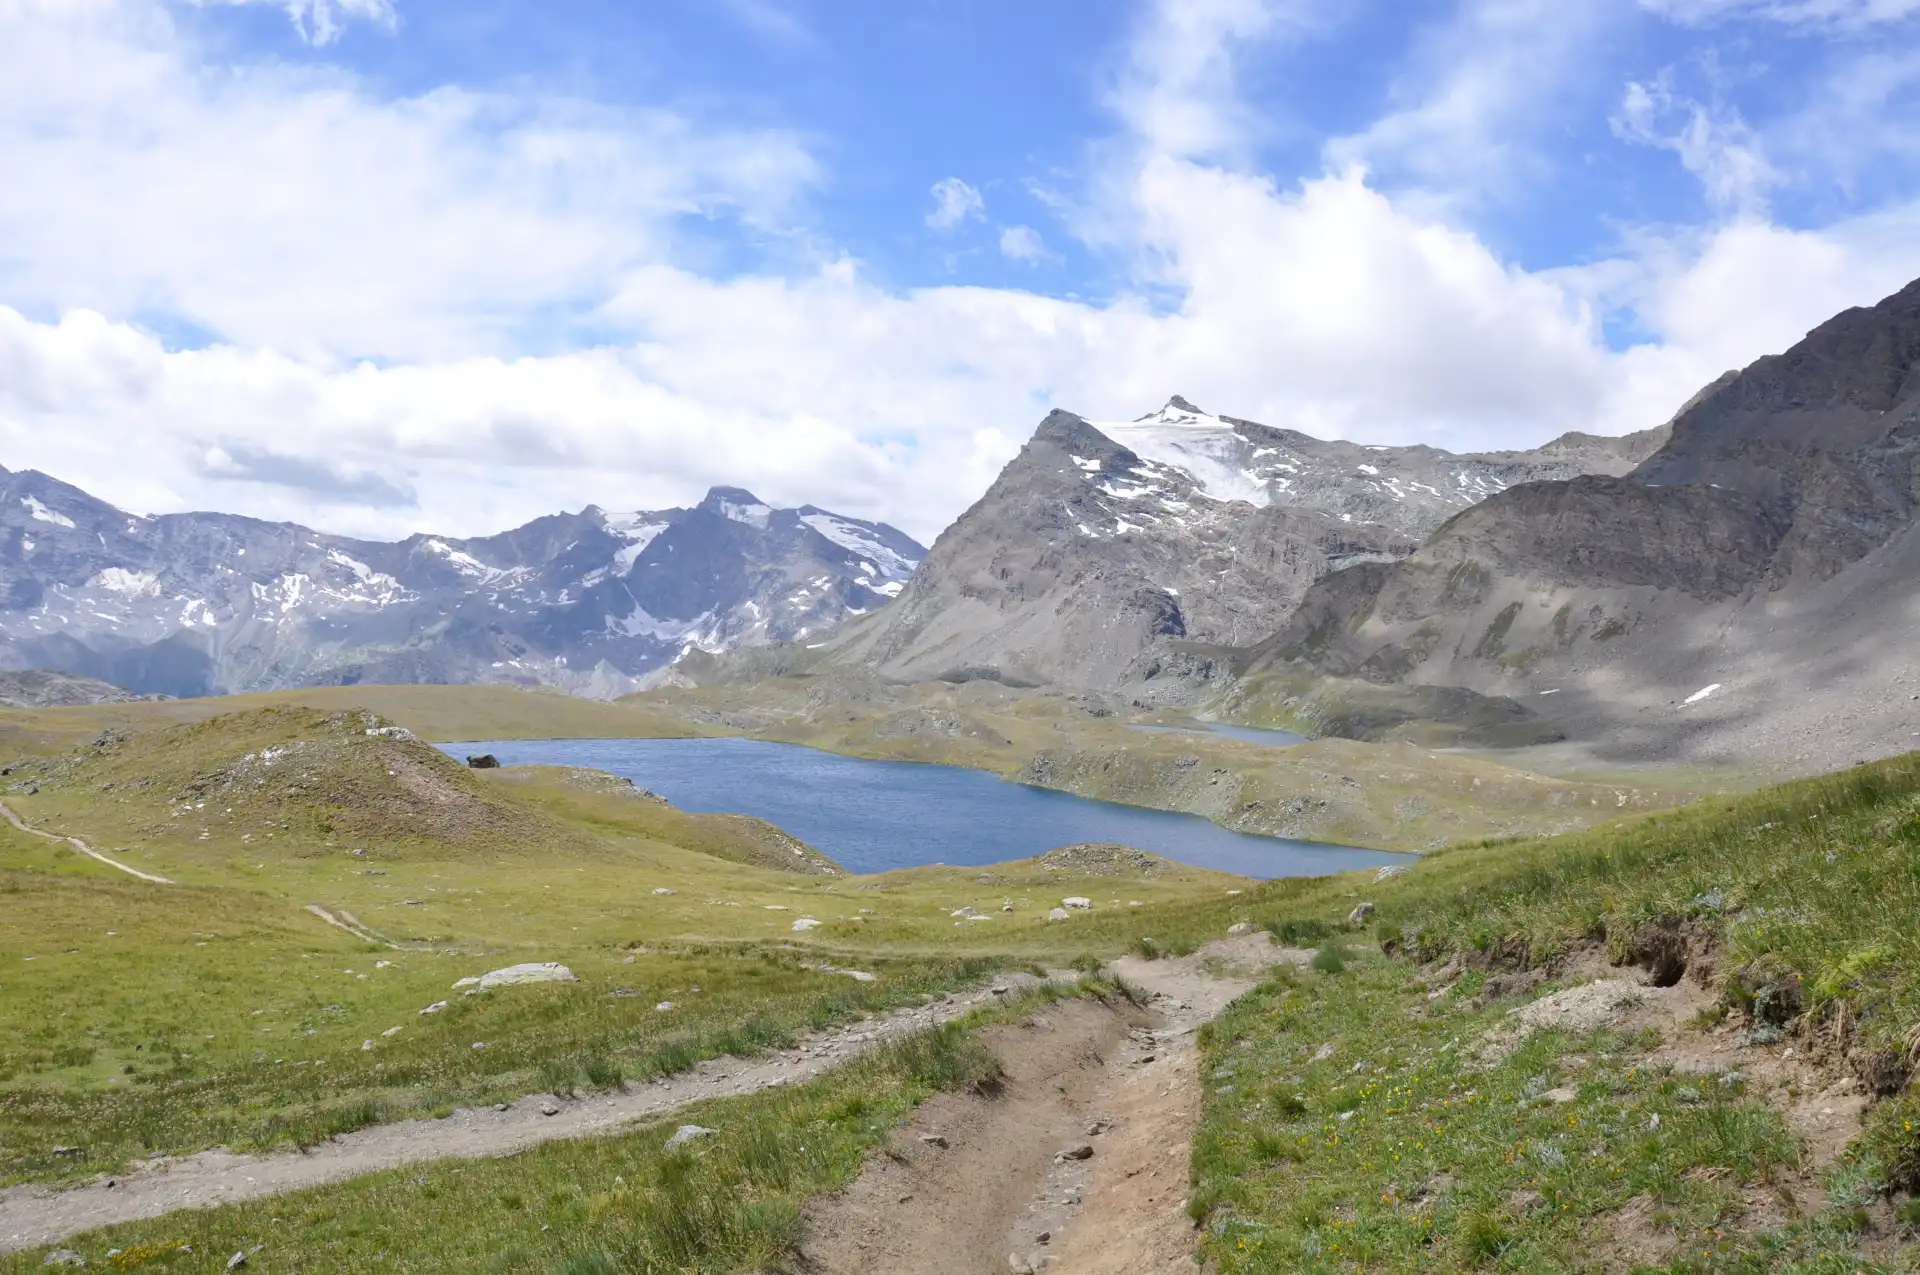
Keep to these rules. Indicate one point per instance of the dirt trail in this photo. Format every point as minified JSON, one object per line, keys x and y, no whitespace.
{"x":81,"y":846}
{"x":346,"y":920}
{"x":35,"y":1215}
{"x":973,"y":1184}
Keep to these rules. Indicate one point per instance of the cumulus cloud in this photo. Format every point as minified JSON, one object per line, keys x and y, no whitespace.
{"x":291,"y":208}
{"x":1332,"y":304}
{"x":954,"y":202}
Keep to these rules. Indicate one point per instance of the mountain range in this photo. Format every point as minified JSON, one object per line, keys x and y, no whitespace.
{"x":1106,"y":550}
{"x":593,"y":602}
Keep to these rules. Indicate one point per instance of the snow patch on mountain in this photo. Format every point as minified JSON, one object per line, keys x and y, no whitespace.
{"x":43,"y":514}
{"x":132,"y":584}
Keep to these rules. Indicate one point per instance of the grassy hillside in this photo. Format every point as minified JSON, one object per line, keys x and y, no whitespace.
{"x":225,"y":1008}
{"x":1388,"y":1112}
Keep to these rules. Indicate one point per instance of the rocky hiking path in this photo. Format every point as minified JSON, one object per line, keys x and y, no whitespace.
{"x":31,"y":1216}
{"x":1078,"y":1166}
{"x":81,"y":846}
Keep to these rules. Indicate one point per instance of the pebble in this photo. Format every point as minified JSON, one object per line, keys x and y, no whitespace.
{"x":1084,"y":1151}
{"x":934,"y":1140}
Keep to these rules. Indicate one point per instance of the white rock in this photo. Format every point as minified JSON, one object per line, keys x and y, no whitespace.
{"x":1240,"y":927}
{"x":661,"y":889}
{"x":434,"y":1008}
{"x":391,"y":1031}
{"x":688,"y":1133}
{"x":1076,"y":901}
{"x":664,"y":1006}
{"x":514,"y":975}
{"x":805,"y":923}
{"x":1058,"y":914}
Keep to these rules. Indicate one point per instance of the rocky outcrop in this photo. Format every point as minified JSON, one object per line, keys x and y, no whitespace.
{"x":1751,"y":572}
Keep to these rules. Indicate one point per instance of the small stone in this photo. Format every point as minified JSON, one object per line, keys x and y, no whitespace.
{"x":1360,"y":914}
{"x":64,"y":1257}
{"x":1240,"y":927}
{"x":1082,"y":1152}
{"x":59,"y":1150}
{"x":934,"y":1140}
{"x":1323,"y":1053}
{"x":434,"y":1008}
{"x":238,"y":1260}
{"x":663,"y":1006}
{"x":1078,"y":901}
{"x":661,"y":889}
{"x":1562,"y":1094}
{"x":366,"y":1046}
{"x":391,"y":1031}
{"x":1000,"y":989}
{"x":1058,"y":914}
{"x":1045,"y":1237}
{"x":548,"y":1107}
{"x":688,"y":1133}
{"x":804,"y":924}
{"x":499,"y":1106}
{"x":1098,"y":1127}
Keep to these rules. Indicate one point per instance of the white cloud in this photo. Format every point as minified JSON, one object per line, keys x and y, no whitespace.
{"x":1713,"y":142}
{"x":1328,"y":304}
{"x":322,"y":21}
{"x":1479,"y":90}
{"x":954,"y":201}
{"x":291,"y":208}
{"x":1023,"y":243}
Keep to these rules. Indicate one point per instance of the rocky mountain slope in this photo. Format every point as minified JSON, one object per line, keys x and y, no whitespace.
{"x":1102,"y":546}
{"x":1746,"y":591}
{"x":196,"y":603}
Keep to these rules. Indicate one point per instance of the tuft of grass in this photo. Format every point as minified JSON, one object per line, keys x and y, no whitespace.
{"x":1331,"y":959}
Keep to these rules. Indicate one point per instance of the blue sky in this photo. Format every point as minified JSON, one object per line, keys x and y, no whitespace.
{"x":460,"y":262}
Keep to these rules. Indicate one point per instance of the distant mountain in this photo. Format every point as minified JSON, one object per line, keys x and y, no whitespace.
{"x":46,"y":688}
{"x":199,"y":603}
{"x":1102,"y":545}
{"x":1750,"y":590}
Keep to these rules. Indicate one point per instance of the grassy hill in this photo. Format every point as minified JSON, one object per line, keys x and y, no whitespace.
{"x":226,"y":1008}
{"x":1748,"y":1109}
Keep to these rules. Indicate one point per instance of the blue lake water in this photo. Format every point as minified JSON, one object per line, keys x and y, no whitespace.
{"x":1247,"y":734}
{"x":874,"y":816}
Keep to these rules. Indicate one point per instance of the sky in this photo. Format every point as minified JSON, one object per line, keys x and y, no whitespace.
{"x":383,"y":266}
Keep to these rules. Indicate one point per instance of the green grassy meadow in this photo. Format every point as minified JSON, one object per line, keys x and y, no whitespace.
{"x":1352,"y":1122}
{"x":138,"y":1018}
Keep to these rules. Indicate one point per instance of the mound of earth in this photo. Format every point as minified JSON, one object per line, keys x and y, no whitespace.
{"x":335,"y":775}
{"x":1103,"y":859}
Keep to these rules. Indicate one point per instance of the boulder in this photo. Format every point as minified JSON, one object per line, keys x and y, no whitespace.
{"x":514,"y":975}
{"x":688,"y":1133}
{"x":483,"y":761}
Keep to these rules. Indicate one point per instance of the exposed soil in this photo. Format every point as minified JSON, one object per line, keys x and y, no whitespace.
{"x":1118,"y":1080}
{"x":35,"y":1215}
